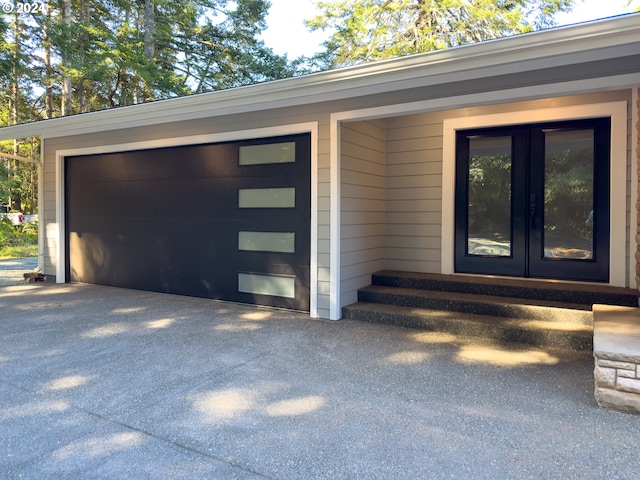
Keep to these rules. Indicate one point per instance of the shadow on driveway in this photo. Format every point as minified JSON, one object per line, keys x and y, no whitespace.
{"x":99,"y":382}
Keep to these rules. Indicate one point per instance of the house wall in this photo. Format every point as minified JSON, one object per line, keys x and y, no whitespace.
{"x":414,"y":177}
{"x":183,"y":132}
{"x":391,"y":180}
{"x":414,"y":193}
{"x":362,"y":245}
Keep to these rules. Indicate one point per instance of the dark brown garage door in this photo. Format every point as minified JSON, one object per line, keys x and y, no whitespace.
{"x":228,"y":221}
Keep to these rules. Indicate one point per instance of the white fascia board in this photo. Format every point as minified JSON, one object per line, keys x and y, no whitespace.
{"x":616,"y":37}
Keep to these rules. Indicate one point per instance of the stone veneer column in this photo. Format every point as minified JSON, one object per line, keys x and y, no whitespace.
{"x":616,"y":349}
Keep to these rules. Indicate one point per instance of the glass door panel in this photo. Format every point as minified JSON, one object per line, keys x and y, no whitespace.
{"x":569,"y":178}
{"x":568,"y":194}
{"x":489,"y":229}
{"x":489,"y":203}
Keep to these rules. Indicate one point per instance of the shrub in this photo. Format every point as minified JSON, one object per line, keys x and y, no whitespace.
{"x":29,"y":228}
{"x":18,"y":241}
{"x":7,"y":232}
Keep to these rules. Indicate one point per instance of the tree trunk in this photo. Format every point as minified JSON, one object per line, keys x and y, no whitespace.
{"x":48,"y":69}
{"x":149,"y":29}
{"x":84,"y":96}
{"x":15,"y":89}
{"x":66,"y":105}
{"x":149,"y":41}
{"x":14,"y":166}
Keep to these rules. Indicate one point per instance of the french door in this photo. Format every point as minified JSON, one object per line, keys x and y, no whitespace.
{"x":533,"y":200}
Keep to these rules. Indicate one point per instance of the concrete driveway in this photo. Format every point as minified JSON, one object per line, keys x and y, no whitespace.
{"x":12,"y":271}
{"x":99,"y":382}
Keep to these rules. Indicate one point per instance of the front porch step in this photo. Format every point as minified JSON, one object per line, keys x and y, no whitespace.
{"x":550,"y":334}
{"x":478,"y":304}
{"x":542,"y":313}
{"x":545,"y":290}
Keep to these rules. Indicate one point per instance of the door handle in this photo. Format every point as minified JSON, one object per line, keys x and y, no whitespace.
{"x":533,"y":201}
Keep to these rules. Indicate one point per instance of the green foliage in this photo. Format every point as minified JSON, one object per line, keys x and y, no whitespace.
{"x":5,"y":58}
{"x":119,"y":52}
{"x":368,"y":30}
{"x":89,"y":55}
{"x":490,"y":196}
{"x":568,"y":194}
{"x":4,"y":184}
{"x":19,"y":180}
{"x":7,"y":232}
{"x":18,"y":241}
{"x":29,"y":230}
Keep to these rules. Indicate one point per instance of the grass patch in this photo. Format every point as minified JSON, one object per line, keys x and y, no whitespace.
{"x":23,"y":251}
{"x":18,"y":242}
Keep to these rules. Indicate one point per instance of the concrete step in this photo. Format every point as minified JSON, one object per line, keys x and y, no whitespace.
{"x":550,"y":334}
{"x":555,"y":314}
{"x":492,"y":306}
{"x":543,"y":290}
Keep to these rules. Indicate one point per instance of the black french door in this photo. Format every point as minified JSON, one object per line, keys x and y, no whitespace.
{"x":533,"y":200}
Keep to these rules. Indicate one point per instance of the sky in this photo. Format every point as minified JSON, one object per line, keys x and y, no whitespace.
{"x":287,"y":33}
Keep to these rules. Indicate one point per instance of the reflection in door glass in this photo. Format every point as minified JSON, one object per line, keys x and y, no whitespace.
{"x":568,"y":194}
{"x":489,"y":210}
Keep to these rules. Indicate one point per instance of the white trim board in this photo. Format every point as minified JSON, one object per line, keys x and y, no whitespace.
{"x":59,"y":229}
{"x":335,"y":306}
{"x":618,"y":169}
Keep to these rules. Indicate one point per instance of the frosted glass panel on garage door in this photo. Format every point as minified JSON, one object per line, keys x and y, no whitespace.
{"x":267,"y":197}
{"x":281,"y":242}
{"x":279,"y":286}
{"x":268,"y":153}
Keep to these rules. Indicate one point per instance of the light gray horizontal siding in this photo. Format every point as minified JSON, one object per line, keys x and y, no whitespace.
{"x":414,"y":192}
{"x":362,"y":231}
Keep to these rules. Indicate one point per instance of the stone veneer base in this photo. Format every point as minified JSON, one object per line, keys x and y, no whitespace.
{"x":616,"y":348}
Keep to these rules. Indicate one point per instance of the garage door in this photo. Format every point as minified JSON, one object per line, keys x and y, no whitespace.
{"x":229,"y":221}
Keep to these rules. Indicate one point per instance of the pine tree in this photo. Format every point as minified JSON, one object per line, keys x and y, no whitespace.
{"x":369,"y":30}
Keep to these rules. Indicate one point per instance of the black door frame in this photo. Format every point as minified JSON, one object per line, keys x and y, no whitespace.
{"x":527,"y":205}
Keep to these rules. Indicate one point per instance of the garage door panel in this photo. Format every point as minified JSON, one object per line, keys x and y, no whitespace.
{"x":177,"y":229}
{"x":153,"y":264}
{"x":103,"y":206}
{"x":153,"y":236}
{"x":179,"y":197}
{"x":182,"y":163}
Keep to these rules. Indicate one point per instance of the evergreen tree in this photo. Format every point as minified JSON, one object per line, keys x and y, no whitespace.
{"x":369,"y":30}
{"x":76,"y":56}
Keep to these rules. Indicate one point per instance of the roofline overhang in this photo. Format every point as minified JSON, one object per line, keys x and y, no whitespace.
{"x":562,"y":46}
